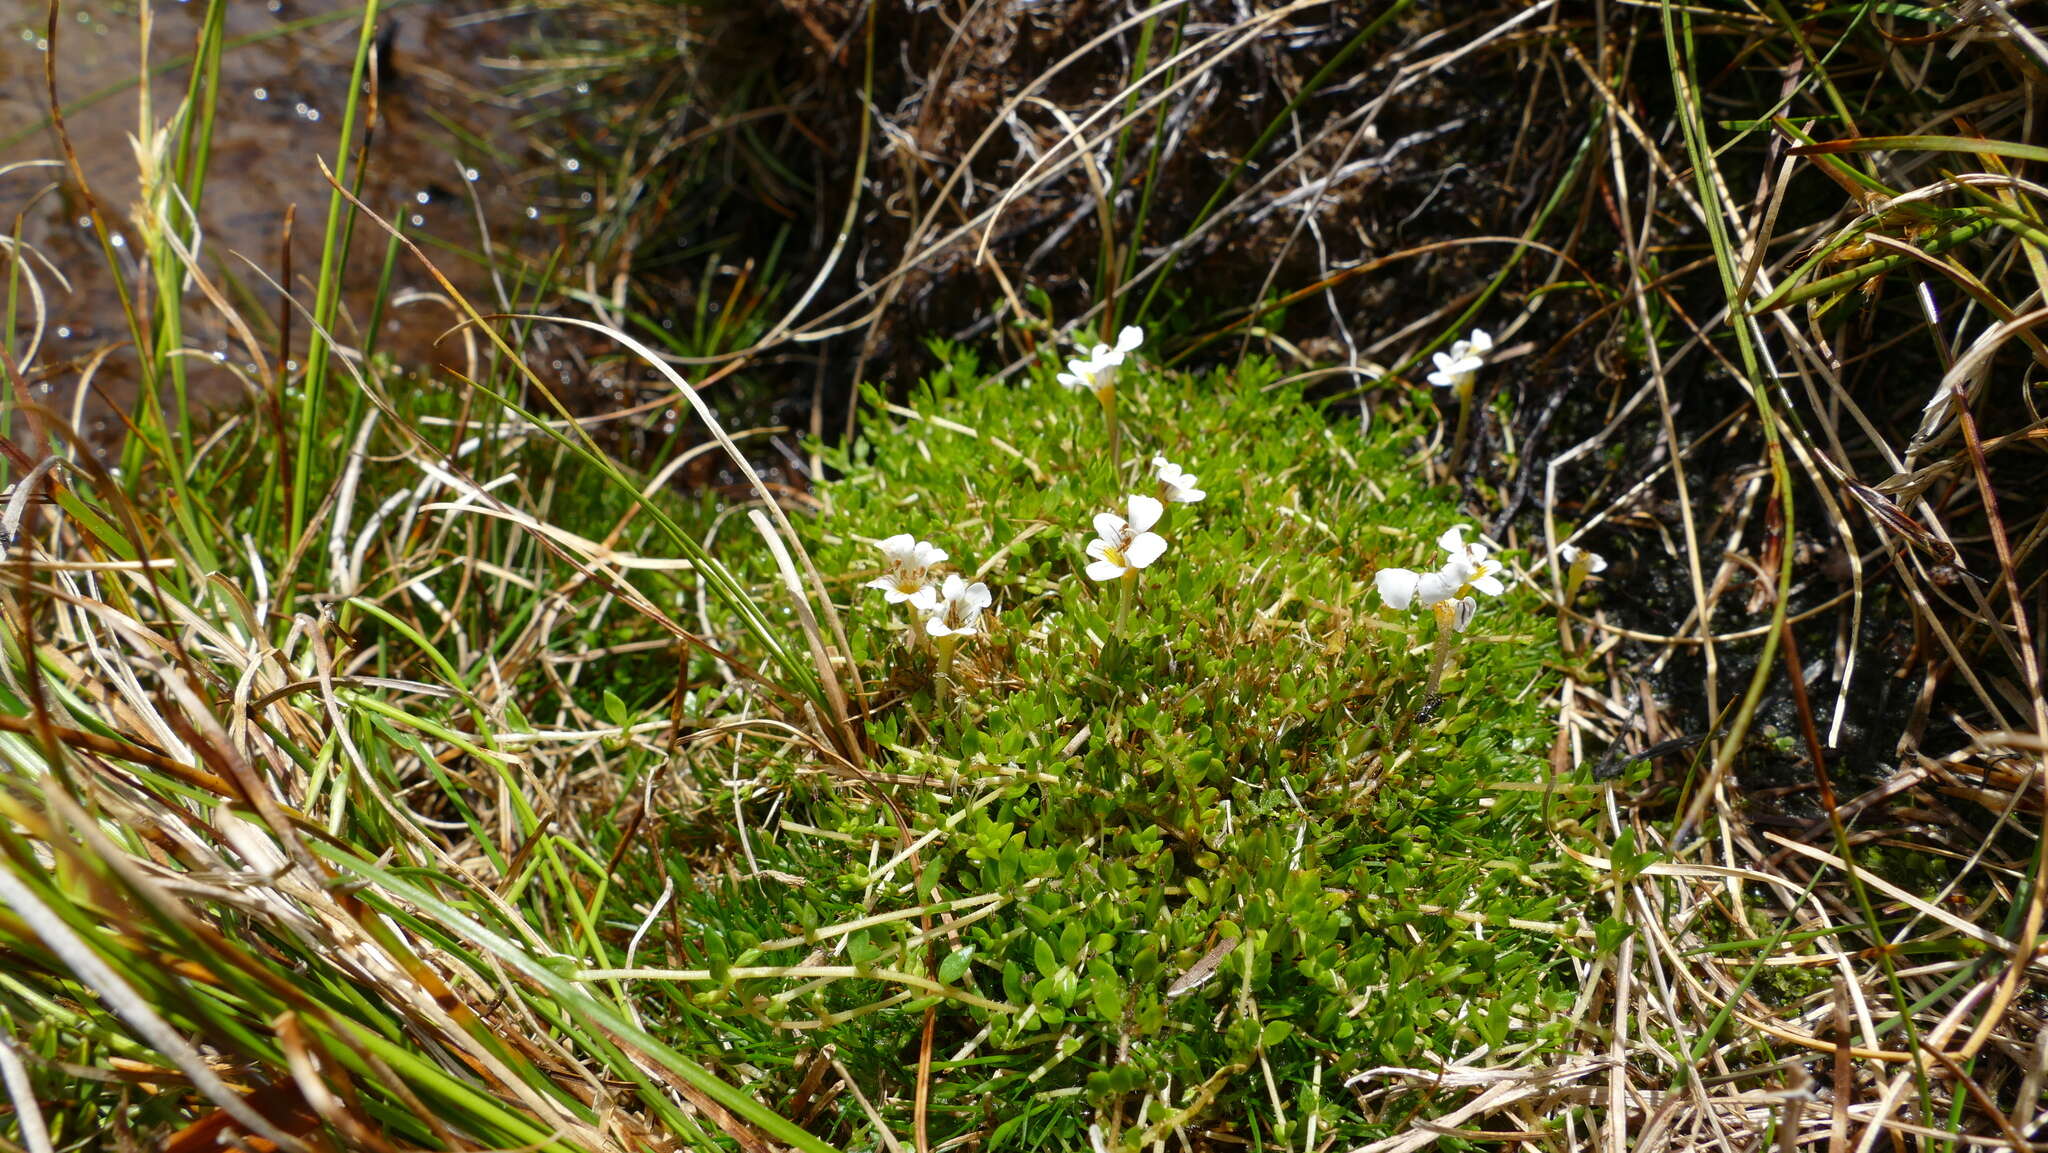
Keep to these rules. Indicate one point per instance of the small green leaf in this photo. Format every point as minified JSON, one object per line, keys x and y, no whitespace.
{"x":955,"y":965}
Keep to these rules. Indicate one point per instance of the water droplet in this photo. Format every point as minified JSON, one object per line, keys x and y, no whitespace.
{"x":63,"y":332}
{"x":291,"y":366}
{"x":585,"y":198}
{"x":582,"y":88}
{"x":532,"y":213}
{"x":418,"y":220}
{"x":261,"y":94}
{"x":119,"y":241}
{"x":85,"y":222}
{"x":275,"y":6}
{"x":312,"y":114}
{"x":220,"y":357}
{"x":572,"y":165}
{"x":469,"y":174}
{"x":421,"y":196}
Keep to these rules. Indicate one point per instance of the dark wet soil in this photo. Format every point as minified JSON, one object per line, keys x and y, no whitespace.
{"x":448,"y":158}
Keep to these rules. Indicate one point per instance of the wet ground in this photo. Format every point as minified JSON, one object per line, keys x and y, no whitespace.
{"x":448,"y":158}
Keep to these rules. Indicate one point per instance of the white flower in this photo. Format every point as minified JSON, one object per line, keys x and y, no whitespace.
{"x":954,"y":609}
{"x":1127,"y":342}
{"x":1097,"y":373}
{"x":1478,"y":344}
{"x":1467,"y":568}
{"x":1570,"y":554}
{"x":1178,"y":482}
{"x":1124,"y":546}
{"x":1401,"y":587}
{"x":1457,"y":367}
{"x":1081,"y":374}
{"x":1472,"y":563}
{"x":909,"y":562}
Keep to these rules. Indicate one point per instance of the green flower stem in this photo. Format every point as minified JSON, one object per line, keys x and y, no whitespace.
{"x":1127,"y":591}
{"x":1446,"y":639}
{"x":1575,"y":576}
{"x":1116,"y":457}
{"x":1464,"y":430}
{"x":943,"y":685}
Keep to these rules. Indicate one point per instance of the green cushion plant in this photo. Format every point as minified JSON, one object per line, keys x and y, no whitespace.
{"x":1192,"y":844}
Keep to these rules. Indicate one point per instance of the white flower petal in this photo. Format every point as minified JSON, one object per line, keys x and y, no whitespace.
{"x":1186,"y":495}
{"x":1148,"y":547}
{"x":978,"y":597}
{"x":1397,"y":586}
{"x":1453,"y":540}
{"x":1103,"y":570}
{"x":1130,"y":338}
{"x":1463,"y":610}
{"x":924,"y":600}
{"x":1110,"y":527}
{"x":1481,"y":342}
{"x":1489,"y":585}
{"x":1436,"y":587}
{"x":1145,"y":511}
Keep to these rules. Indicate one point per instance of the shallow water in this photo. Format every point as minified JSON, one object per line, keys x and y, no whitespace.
{"x":448,"y":159}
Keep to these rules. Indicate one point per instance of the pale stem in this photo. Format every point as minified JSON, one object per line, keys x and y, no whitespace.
{"x":1126,"y":593}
